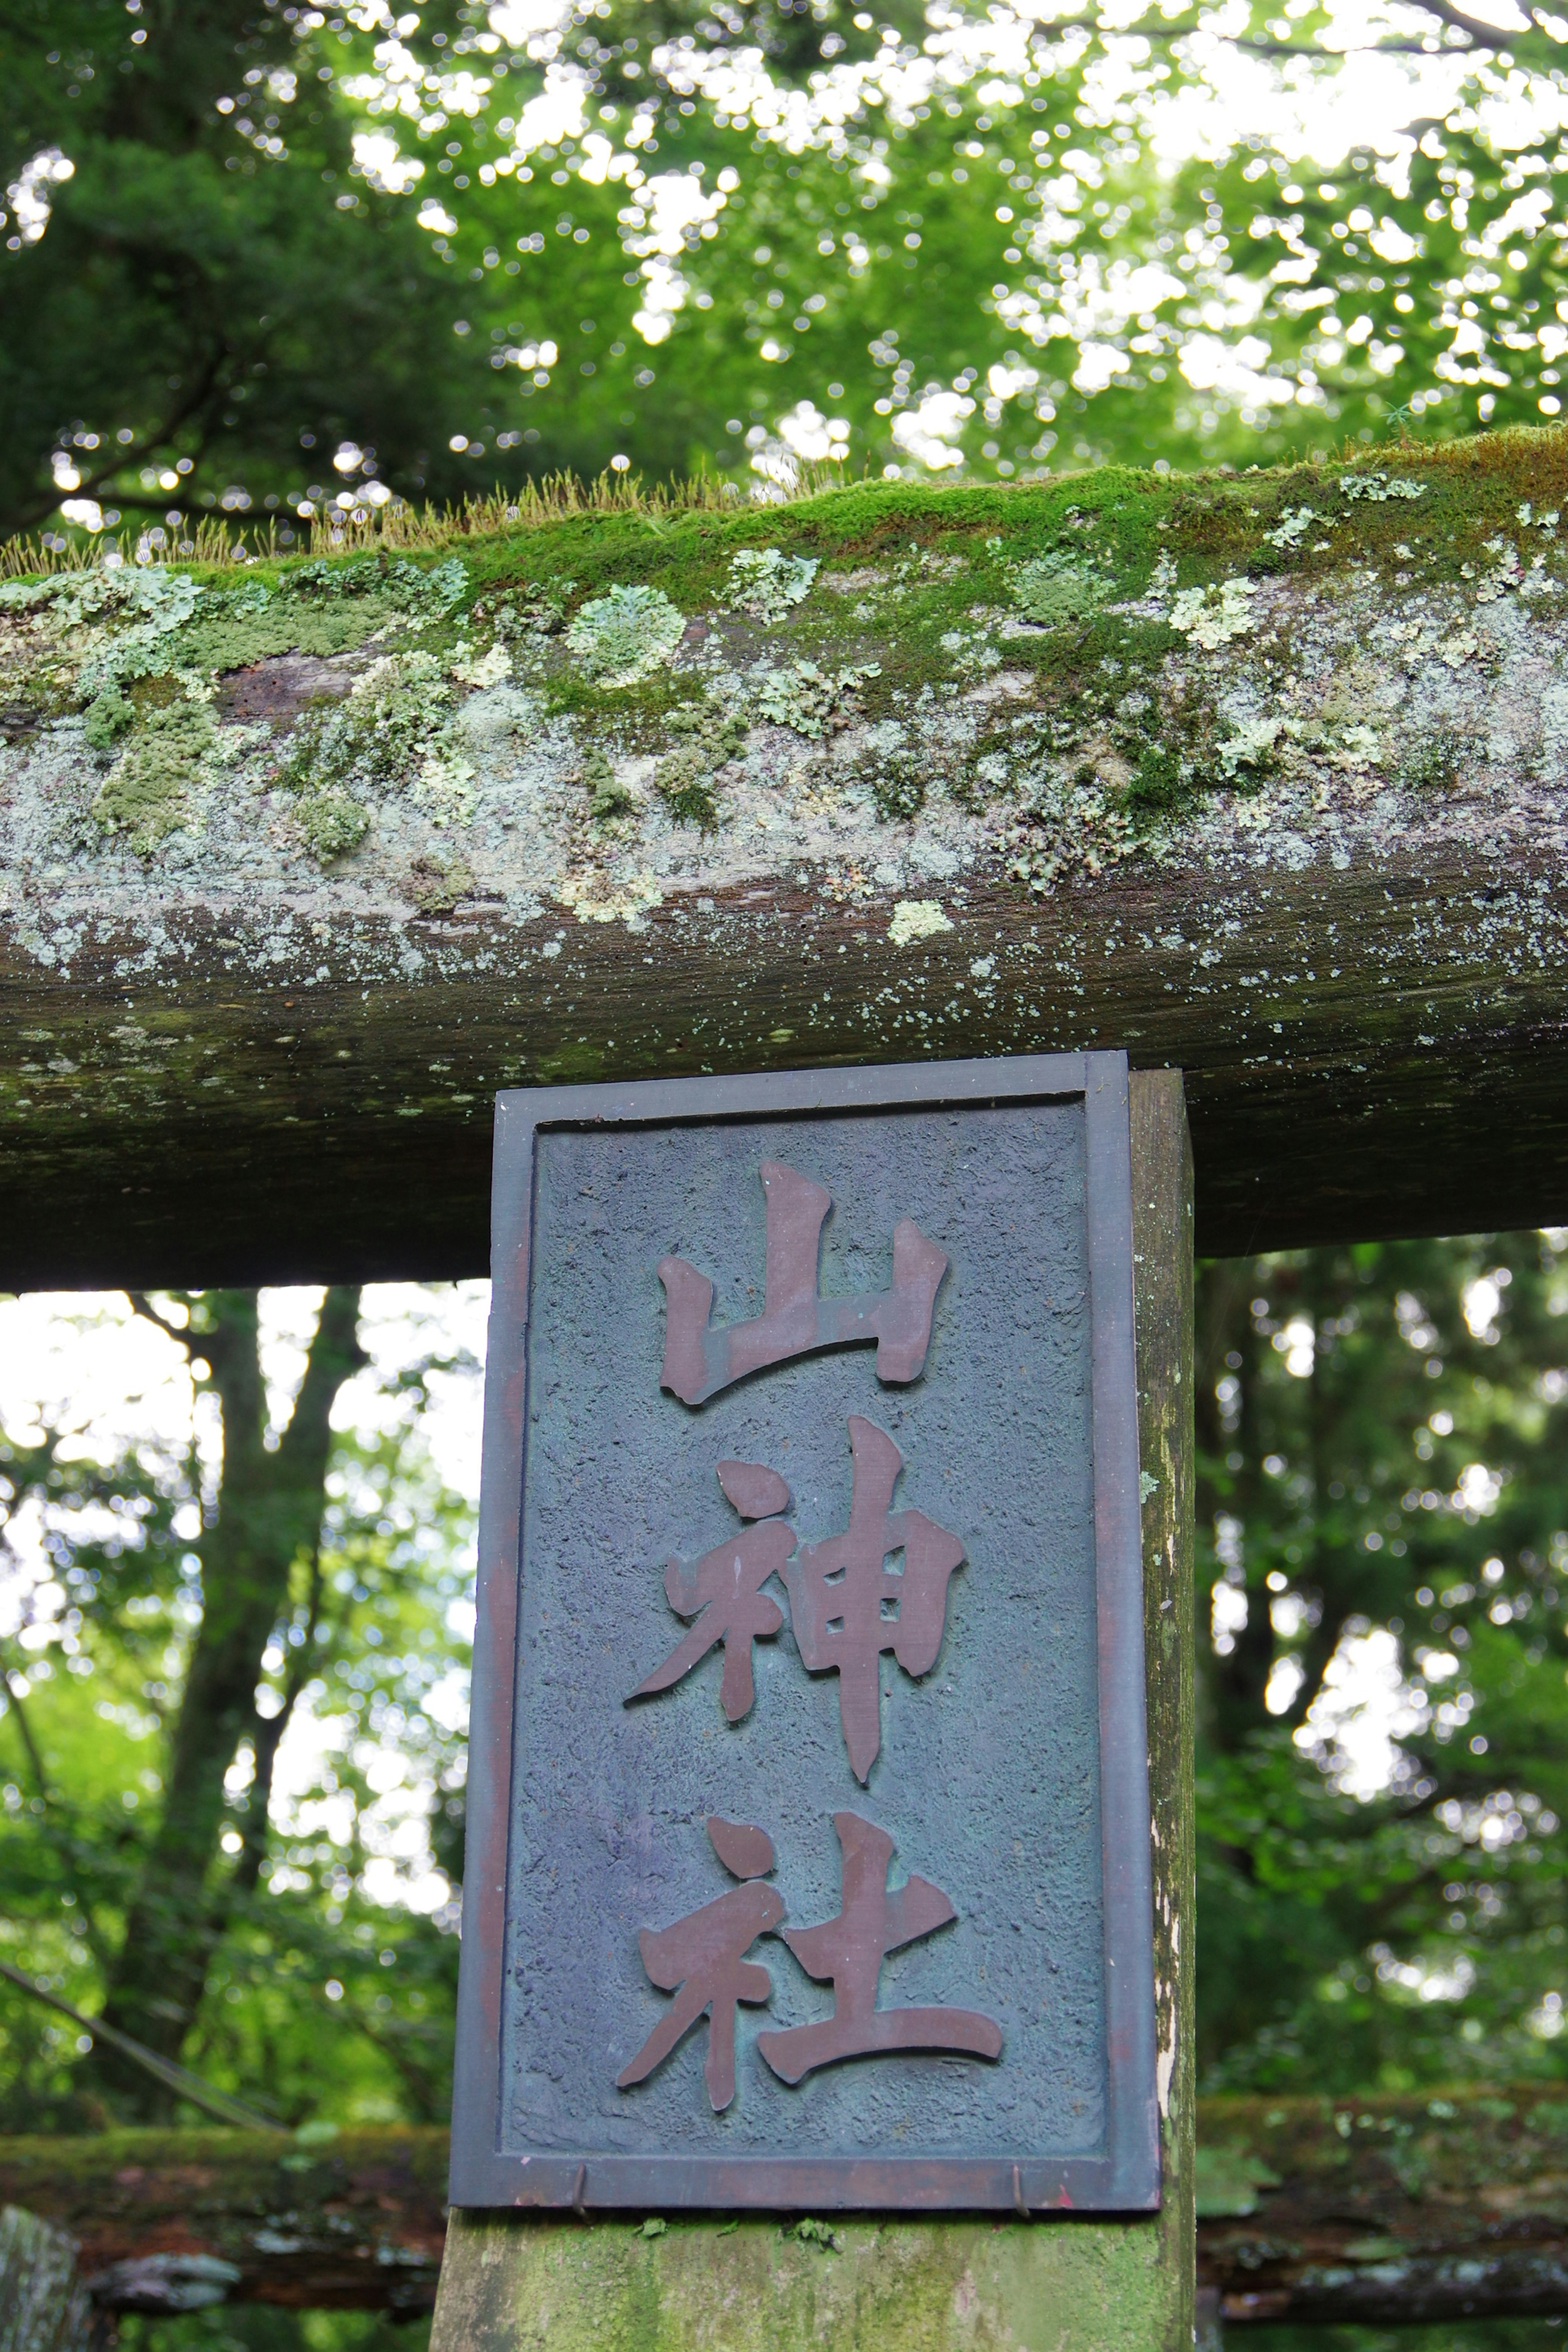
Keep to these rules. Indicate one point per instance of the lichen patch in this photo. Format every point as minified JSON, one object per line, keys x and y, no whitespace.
{"x":916,"y":919}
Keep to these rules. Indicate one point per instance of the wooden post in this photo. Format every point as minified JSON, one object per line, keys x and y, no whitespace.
{"x":513,"y":2283}
{"x":44,"y":2305}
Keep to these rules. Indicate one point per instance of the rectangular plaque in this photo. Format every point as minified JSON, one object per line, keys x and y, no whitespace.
{"x":808,"y":1857}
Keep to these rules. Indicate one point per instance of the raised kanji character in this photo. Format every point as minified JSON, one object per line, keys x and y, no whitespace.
{"x":846,"y":1606}
{"x":849,"y":1951}
{"x":725,"y":1585}
{"x":702,"y":1959}
{"x":698,"y":1362}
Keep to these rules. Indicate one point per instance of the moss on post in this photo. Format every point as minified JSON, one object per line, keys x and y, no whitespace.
{"x":510,"y":2284}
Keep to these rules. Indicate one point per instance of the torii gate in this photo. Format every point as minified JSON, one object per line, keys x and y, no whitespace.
{"x":294,"y":882}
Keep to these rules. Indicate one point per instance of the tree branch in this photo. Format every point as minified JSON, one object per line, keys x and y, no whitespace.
{"x":35,"y":1760}
{"x":181,"y":1333}
{"x":1481,"y":36}
{"x":132,"y":456}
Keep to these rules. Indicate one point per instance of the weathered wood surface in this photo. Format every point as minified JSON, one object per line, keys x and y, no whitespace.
{"x":44,"y":2306}
{"x":1364,"y":2211}
{"x":1383,"y":2210}
{"x":1163,"y":1303}
{"x":170,"y":2221}
{"x":260,"y":981}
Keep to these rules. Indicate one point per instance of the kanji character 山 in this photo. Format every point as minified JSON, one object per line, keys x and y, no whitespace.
{"x":725,"y":1586}
{"x":846,"y":1606}
{"x":699,"y":1360}
{"x":849,"y":1951}
{"x":702,"y":1959}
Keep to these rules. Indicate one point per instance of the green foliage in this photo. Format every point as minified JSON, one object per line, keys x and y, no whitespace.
{"x":330,"y":1995}
{"x":887,"y":245}
{"x":1382,"y":1494}
{"x":260,"y":2327}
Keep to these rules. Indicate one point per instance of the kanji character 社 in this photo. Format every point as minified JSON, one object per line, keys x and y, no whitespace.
{"x":846,"y":1606}
{"x":702,"y":1959}
{"x":725,"y":1585}
{"x":849,"y":1951}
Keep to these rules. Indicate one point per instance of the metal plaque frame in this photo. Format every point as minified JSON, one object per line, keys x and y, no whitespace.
{"x":1125,"y":2176}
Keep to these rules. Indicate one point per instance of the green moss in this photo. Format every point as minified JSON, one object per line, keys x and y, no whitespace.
{"x":1159,"y":786}
{"x":898,"y":789}
{"x":435,"y":883}
{"x":1431,"y":763}
{"x":608,"y":797}
{"x":147,"y":794}
{"x":706,"y":738}
{"x":333,"y":823}
{"x":285,"y":624}
{"x":907,"y":2285}
{"x":108,"y":718}
{"x":931,"y":569}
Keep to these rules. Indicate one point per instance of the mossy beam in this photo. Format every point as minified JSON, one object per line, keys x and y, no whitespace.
{"x":1258,"y":776}
{"x":515,"y":2282}
{"x":1361,"y":2211}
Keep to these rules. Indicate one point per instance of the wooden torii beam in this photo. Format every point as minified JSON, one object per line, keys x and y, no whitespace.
{"x":1341,"y":2211}
{"x":1258,"y":776}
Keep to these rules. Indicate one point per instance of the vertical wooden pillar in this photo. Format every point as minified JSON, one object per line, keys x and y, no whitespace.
{"x":44,"y":2305}
{"x":522,"y":2283}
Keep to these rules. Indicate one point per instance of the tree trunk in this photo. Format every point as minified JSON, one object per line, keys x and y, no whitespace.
{"x":267,"y":1518}
{"x":1303,"y":843}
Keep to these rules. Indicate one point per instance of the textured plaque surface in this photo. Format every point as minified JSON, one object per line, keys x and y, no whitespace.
{"x":808,"y":1809}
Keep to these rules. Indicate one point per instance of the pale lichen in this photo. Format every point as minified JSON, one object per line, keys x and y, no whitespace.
{"x":1379,"y":487}
{"x":809,"y":699}
{"x":1059,"y":588}
{"x":623,"y":637}
{"x":490,"y":668}
{"x":1214,"y":616}
{"x":1251,"y":745}
{"x":766,"y":583}
{"x":1292,"y":527}
{"x":916,"y":919}
{"x":594,"y":898}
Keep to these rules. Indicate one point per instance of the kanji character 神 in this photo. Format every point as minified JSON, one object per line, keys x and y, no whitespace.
{"x":698,"y":1362}
{"x":725,"y":1585}
{"x":846,"y":1606}
{"x":849,"y":1951}
{"x":702,"y":1959}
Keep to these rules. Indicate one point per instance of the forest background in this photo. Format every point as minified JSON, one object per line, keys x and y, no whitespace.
{"x":263,"y":262}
